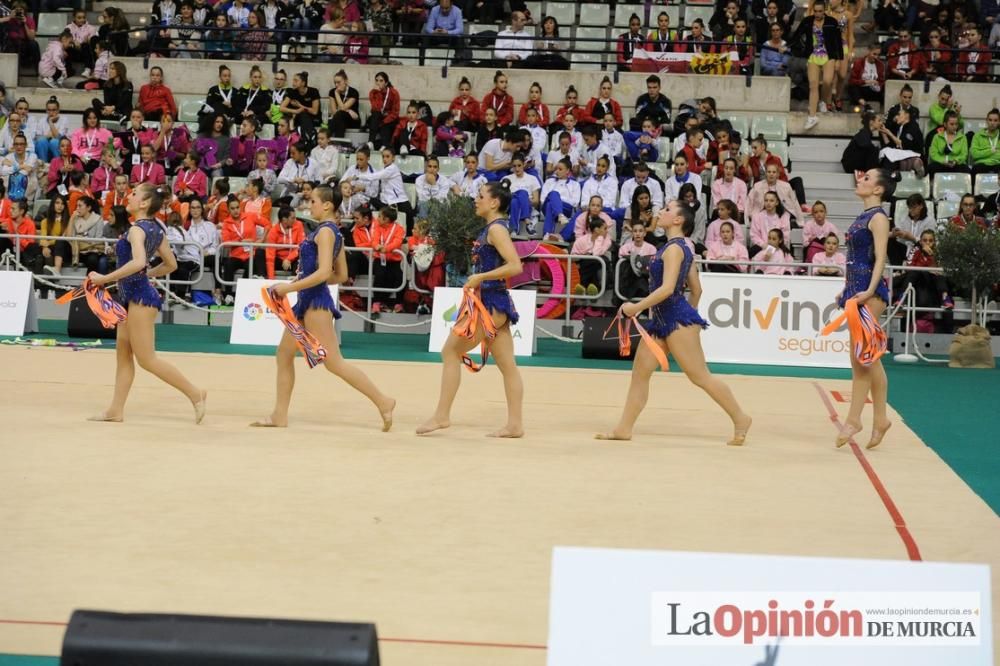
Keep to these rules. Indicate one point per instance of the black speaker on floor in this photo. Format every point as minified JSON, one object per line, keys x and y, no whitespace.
{"x":594,"y":344}
{"x":97,"y":638}
{"x":83,"y":323}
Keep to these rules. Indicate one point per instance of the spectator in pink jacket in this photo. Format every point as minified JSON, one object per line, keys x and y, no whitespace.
{"x":776,"y":254}
{"x":767,"y":219}
{"x":89,"y":141}
{"x":727,"y":248}
{"x":595,"y":208}
{"x":816,"y":230}
{"x":731,"y":187}
{"x":830,"y":261}
{"x":596,"y":243}
{"x":727,"y":213}
{"x":84,"y":35}
{"x":52,"y":68}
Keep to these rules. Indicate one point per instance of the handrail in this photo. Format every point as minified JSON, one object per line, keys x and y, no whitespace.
{"x":435,"y":47}
{"x":106,"y":242}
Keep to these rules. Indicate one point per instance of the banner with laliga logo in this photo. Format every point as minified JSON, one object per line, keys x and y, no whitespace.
{"x":253,"y":323}
{"x":772,"y":320}
{"x":446,"y":300}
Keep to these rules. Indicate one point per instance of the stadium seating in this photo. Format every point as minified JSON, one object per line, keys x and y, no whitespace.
{"x":953,"y":184}
{"x":594,"y":14}
{"x":946,"y":209}
{"x":563,"y":12}
{"x":774,"y":128}
{"x":986,"y":184}
{"x":910,"y":184}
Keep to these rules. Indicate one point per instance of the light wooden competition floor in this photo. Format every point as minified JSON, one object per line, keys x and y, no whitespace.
{"x":444,"y":542}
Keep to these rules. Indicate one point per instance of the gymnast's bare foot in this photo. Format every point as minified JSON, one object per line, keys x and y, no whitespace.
{"x":433,"y":424}
{"x":741,"y":427}
{"x":199,"y":407}
{"x":614,"y":435}
{"x":847,"y":432}
{"x":508,"y":432}
{"x":270,"y":422}
{"x":878,"y":432}
{"x":106,"y":417}
{"x":385,"y":410}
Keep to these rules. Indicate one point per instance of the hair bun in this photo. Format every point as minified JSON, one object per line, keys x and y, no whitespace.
{"x":505,"y":185}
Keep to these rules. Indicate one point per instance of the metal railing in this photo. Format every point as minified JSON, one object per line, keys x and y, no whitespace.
{"x":413,"y":47}
{"x":369,"y":290}
{"x":108,"y":244}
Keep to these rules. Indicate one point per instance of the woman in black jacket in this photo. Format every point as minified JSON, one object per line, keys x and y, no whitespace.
{"x":818,"y":40}
{"x":117,"y":103}
{"x":861,"y":154}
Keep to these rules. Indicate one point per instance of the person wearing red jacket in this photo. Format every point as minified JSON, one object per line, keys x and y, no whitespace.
{"x":867,"y":82}
{"x":753,"y":166}
{"x":384,"y":99}
{"x":410,"y":137}
{"x":534,"y":102}
{"x":936,"y":58}
{"x":696,"y":163}
{"x":603,"y":104}
{"x":288,"y":231}
{"x":155,"y":99}
{"x":498,"y":100}
{"x":465,"y":107}
{"x":571,"y":106}
{"x":974,"y":60}
{"x":240,"y":228}
{"x":905,"y":61}
{"x":387,"y":273}
{"x":20,"y":223}
{"x":628,"y":42}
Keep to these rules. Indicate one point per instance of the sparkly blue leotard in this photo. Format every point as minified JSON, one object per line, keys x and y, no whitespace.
{"x":137,"y":288}
{"x":861,"y":258}
{"x":675,"y":311}
{"x":318,"y":297}
{"x":485,"y":258}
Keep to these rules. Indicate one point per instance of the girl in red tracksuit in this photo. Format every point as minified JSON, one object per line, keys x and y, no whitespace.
{"x":240,"y":228}
{"x":384,"y":100}
{"x":410,"y":137}
{"x":465,"y":108}
{"x":498,"y":100}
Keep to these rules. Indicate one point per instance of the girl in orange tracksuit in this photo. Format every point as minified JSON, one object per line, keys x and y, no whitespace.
{"x":385,"y":238}
{"x":240,"y":227}
{"x":287,"y":231}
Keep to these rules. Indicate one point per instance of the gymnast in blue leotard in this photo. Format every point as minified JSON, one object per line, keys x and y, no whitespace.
{"x":675,"y":326}
{"x":135,"y":337}
{"x":867,"y":243}
{"x":322,"y":261}
{"x":494,"y":260}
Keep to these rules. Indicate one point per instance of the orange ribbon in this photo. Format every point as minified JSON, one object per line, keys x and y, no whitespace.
{"x":472,"y":315}
{"x":311,"y":347}
{"x":107,"y":310}
{"x":870,"y":341}
{"x":625,"y":339}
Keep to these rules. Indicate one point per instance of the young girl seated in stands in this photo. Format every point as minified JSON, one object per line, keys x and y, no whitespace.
{"x":642,"y":146}
{"x":816,"y":231}
{"x":689,"y":197}
{"x":468,"y":184}
{"x":727,"y":248}
{"x":771,"y":217}
{"x":410,"y":136}
{"x":428,"y":264}
{"x":727,"y":212}
{"x":263,"y":172}
{"x":776,"y":253}
{"x":596,"y":243}
{"x":449,"y":139}
{"x":188,"y":256}
{"x":830,"y":261}
{"x":595,"y":208}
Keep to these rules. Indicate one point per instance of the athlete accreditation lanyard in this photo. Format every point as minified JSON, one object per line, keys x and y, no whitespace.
{"x":143,"y":174}
{"x":383,"y":236}
{"x":90,"y":138}
{"x":189,"y":178}
{"x":226,"y":95}
{"x":251,"y":96}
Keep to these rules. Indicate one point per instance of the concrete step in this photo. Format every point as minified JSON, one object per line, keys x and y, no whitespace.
{"x":841,"y":181}
{"x":830,"y":124}
{"x":825,"y":167}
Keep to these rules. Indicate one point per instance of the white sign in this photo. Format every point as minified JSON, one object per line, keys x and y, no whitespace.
{"x":649,"y":608}
{"x":17,"y":303}
{"x":253,"y":322}
{"x":772,"y":320}
{"x":446,"y":300}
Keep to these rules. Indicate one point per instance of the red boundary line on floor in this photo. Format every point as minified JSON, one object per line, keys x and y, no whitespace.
{"x":417,"y":641}
{"x":897,"y":518}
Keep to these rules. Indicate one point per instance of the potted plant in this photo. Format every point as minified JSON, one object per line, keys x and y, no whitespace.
{"x":970,"y":258}
{"x":454,"y":226}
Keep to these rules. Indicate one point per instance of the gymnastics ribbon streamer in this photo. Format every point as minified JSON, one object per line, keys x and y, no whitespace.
{"x":625,"y":339}
{"x":106,"y":309}
{"x":311,"y":347}
{"x":472,"y":315}
{"x":870,"y":339}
